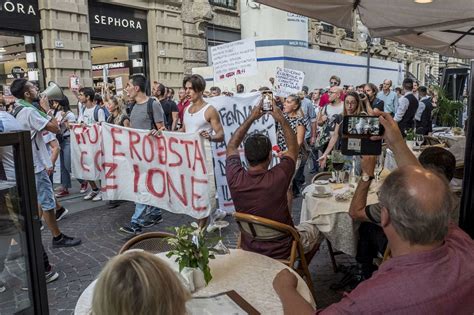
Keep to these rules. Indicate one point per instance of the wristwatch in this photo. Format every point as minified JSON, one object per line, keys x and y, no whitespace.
{"x":366,"y":178}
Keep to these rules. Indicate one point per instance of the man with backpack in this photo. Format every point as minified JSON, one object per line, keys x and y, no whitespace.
{"x":145,"y":113}
{"x":89,"y":114}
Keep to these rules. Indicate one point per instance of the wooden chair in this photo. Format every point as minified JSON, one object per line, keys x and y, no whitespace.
{"x":153,"y":242}
{"x":262,"y":229}
{"x":321,"y":176}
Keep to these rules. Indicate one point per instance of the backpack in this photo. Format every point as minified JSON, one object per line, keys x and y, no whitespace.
{"x":149,"y":110}
{"x":96,"y":112}
{"x":325,"y":135}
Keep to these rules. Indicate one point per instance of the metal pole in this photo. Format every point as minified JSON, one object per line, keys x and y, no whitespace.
{"x":369,"y":40}
{"x":466,"y":215}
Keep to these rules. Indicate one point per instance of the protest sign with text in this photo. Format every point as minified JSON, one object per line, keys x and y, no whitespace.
{"x":288,"y":81}
{"x":173,"y":171}
{"x":86,"y":151}
{"x":235,"y":59}
{"x":233,"y":111}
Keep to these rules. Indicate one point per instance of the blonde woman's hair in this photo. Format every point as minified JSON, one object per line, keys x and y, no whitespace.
{"x":118,"y":102}
{"x":138,"y":283}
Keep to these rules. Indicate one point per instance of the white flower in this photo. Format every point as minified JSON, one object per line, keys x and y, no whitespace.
{"x":195,"y":225}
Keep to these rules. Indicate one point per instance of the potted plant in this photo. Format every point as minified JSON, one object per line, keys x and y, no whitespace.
{"x":192,"y":251}
{"x":410,"y":138}
{"x":446,"y":111}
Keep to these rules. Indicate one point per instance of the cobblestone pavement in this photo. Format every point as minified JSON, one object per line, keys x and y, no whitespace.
{"x":98,"y":229}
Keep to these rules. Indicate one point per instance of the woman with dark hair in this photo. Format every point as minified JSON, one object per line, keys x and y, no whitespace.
{"x":295,"y":117}
{"x":352,"y":106}
{"x":370,"y":99}
{"x":65,"y":117}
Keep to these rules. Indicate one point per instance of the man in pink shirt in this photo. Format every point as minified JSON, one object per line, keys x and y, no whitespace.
{"x":431,"y":269}
{"x":333,"y":81}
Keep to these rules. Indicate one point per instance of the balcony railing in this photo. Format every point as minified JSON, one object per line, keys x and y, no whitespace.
{"x":228,"y":4}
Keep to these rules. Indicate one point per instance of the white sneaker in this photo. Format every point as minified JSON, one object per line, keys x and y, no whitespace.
{"x":98,"y":197}
{"x":91,"y":195}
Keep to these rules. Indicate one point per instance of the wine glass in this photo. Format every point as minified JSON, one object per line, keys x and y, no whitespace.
{"x":419,"y":139}
{"x":337,"y":163}
{"x":220,"y":247}
{"x":379,"y":166}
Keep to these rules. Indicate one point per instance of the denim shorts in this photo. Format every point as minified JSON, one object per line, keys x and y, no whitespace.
{"x":44,"y":189}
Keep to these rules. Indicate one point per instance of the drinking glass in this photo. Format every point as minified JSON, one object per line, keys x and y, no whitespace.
{"x":337,"y":163}
{"x":379,"y":166}
{"x":220,"y":247}
{"x":419,"y":139}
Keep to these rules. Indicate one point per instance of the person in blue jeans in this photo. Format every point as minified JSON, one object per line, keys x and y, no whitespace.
{"x":140,"y":118}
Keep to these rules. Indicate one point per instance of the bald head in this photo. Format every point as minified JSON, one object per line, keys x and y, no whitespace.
{"x":335,"y":94}
{"x":419,"y":202}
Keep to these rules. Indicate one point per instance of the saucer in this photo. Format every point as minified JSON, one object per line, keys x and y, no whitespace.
{"x":325,"y":195}
{"x":321,"y":182}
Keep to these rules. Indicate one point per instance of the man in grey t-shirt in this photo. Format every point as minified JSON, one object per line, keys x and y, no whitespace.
{"x":144,"y":215}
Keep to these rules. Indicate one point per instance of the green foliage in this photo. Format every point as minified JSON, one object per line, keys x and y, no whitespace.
{"x":410,"y":135}
{"x":191,"y":249}
{"x":447,"y":111}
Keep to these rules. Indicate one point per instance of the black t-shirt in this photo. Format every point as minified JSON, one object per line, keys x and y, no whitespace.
{"x":169,"y":107}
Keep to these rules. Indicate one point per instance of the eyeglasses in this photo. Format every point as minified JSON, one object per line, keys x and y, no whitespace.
{"x":332,"y":92}
{"x":333,"y":82}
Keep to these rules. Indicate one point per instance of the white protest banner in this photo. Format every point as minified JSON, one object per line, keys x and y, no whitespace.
{"x":235,"y":59}
{"x":233,"y":111}
{"x":173,"y":171}
{"x":86,"y":152}
{"x":288,"y":81}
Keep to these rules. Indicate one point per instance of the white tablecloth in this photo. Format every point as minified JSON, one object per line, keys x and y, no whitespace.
{"x":249,"y":274}
{"x":332,"y":217}
{"x":449,"y":138}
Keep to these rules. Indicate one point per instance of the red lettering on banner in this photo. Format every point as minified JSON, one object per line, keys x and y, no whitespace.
{"x":110,"y":174}
{"x":186,"y":143}
{"x":198,"y":157}
{"x":171,"y":187}
{"x":134,"y":138}
{"x":162,"y":152}
{"x":136,"y":177}
{"x":79,"y":136}
{"x":149,"y":182}
{"x":115,"y":141}
{"x":171,"y":141}
{"x":148,"y":139}
{"x":96,"y":131}
{"x":83,"y":165}
{"x":97,"y":161}
{"x":194,"y":196}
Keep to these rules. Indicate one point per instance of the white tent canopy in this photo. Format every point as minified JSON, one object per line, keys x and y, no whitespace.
{"x":443,"y":26}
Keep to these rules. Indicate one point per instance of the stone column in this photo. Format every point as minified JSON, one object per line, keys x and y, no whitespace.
{"x":66,"y":21}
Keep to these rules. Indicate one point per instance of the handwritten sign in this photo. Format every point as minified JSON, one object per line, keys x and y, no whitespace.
{"x":173,"y":172}
{"x":288,"y":81}
{"x":235,"y":59}
{"x":233,"y":112}
{"x":86,"y":144}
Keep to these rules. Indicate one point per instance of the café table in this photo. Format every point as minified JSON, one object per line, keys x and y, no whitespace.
{"x":332,"y":217}
{"x":450,"y":138}
{"x":249,"y":274}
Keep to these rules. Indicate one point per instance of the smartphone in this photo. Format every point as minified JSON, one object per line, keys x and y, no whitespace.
{"x":267,"y":101}
{"x":356,"y":134}
{"x":361,"y":127}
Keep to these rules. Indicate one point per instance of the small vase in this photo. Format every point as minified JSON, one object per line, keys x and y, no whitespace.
{"x":411,"y":144}
{"x":193,"y":278}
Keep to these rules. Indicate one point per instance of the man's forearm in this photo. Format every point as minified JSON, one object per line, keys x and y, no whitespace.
{"x":294,"y":303}
{"x":239,"y":135}
{"x":403,"y":155}
{"x":359,"y":201}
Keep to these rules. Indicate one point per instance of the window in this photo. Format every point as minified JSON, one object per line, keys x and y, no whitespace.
{"x":328,"y":28}
{"x":349,"y":34}
{"x":229,"y":4}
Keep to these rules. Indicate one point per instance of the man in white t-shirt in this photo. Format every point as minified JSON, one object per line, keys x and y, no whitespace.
{"x":90,"y":114}
{"x":328,"y":115}
{"x":31,"y":118}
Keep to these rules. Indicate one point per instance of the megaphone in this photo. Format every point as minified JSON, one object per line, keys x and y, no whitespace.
{"x":53,"y":92}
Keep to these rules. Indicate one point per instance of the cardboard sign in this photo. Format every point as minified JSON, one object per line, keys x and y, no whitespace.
{"x":173,"y":172}
{"x":288,"y":81}
{"x":233,"y":111}
{"x":235,"y":59}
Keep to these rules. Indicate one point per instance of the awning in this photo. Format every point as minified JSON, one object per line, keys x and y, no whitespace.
{"x":442,"y":26}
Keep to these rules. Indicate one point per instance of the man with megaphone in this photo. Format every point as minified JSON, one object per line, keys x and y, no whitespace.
{"x":36,"y":120}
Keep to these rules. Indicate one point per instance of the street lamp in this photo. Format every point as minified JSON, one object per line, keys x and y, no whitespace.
{"x":364,"y":37}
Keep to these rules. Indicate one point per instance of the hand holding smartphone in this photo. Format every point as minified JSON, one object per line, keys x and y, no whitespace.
{"x":267,"y":97}
{"x":356,"y":134}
